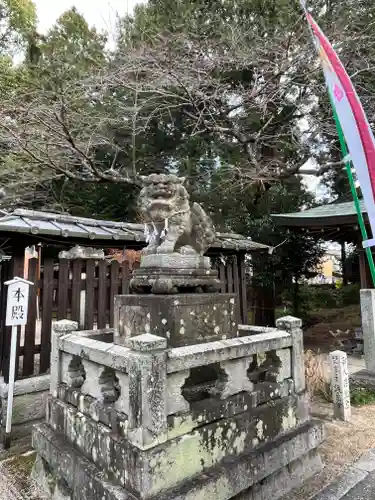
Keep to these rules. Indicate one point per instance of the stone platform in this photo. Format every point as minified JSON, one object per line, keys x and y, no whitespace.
{"x":268,"y":473}
{"x":183,"y":319}
{"x":219,"y":420}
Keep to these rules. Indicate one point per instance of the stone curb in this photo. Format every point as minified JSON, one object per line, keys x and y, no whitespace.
{"x":352,"y":476}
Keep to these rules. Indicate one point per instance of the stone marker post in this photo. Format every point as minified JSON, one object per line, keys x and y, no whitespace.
{"x":368,"y":327}
{"x":340,"y":385}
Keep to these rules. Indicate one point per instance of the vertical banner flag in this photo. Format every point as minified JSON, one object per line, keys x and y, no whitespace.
{"x":352,"y":120}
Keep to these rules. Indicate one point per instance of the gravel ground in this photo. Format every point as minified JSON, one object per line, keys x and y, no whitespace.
{"x":7,"y":490}
{"x":15,"y":483}
{"x":345,"y":443}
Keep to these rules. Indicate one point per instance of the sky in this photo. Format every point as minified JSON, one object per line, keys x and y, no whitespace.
{"x":98,"y":13}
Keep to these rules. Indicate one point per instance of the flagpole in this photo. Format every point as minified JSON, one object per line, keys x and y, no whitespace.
{"x":345,"y":154}
{"x":348,"y":168}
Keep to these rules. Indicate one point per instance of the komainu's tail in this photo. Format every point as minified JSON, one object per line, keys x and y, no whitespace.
{"x":203,"y":229}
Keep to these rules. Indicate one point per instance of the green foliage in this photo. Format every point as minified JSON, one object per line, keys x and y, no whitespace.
{"x":349,"y":295}
{"x":106,"y":201}
{"x":175,"y":119}
{"x":17,"y":25}
{"x":69,"y":51}
{"x":167,"y":138}
{"x":310,"y":299}
{"x":46,"y":81}
{"x":295,"y":256}
{"x":360,"y":396}
{"x":12,"y":78}
{"x":217,"y":166}
{"x":313,"y":299}
{"x":207,"y":139}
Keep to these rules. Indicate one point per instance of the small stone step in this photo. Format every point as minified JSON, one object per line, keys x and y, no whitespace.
{"x":364,"y":490}
{"x":356,"y":483}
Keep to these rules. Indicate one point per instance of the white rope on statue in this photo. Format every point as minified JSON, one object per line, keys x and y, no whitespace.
{"x":164,"y":233}
{"x":147,"y":234}
{"x":154,"y":234}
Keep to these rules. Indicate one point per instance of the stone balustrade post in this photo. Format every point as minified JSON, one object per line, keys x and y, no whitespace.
{"x":294,"y":326}
{"x":368,"y":327}
{"x":59,"y":328}
{"x":147,"y":388}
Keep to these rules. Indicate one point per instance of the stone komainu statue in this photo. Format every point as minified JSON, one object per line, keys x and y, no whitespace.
{"x":171,"y":222}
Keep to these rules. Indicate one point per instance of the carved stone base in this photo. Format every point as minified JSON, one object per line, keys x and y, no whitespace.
{"x":184,"y":319}
{"x":175,"y":261}
{"x":174,"y":281}
{"x":175,"y":273}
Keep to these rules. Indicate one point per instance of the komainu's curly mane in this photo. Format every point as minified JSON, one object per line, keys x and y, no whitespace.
{"x":171,"y":222}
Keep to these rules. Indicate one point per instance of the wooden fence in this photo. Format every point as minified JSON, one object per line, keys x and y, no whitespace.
{"x":83,"y":291}
{"x":58,"y":295}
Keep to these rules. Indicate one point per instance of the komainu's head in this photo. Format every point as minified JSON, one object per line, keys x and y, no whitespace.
{"x":163,"y":187}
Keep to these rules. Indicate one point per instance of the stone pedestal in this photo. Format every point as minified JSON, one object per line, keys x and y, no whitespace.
{"x":178,"y":404}
{"x":183,"y":319}
{"x":218,"y":420}
{"x":174,"y":273}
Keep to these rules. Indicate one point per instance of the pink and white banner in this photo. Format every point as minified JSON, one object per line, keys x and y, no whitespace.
{"x":358,"y":134}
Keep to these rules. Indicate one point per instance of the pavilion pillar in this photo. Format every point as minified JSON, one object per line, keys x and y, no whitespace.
{"x":364,"y":270}
{"x":366,"y":378}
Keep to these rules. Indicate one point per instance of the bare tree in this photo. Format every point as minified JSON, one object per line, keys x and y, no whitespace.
{"x":248,"y":93}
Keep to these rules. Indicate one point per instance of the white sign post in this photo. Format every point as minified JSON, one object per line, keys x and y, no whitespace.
{"x":16,"y":315}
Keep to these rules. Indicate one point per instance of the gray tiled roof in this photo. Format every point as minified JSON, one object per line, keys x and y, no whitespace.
{"x":323,"y":214}
{"x":68,"y":226}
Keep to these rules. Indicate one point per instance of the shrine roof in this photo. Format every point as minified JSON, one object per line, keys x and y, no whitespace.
{"x":69,"y":227}
{"x":332,"y":214}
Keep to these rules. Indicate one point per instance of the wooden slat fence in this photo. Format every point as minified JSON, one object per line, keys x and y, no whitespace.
{"x":80,"y":290}
{"x":84,"y":291}
{"x":232,"y":274}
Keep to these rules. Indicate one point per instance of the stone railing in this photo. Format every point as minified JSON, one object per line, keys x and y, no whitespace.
{"x":236,"y":364}
{"x":93,"y":367}
{"x":249,"y":370}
